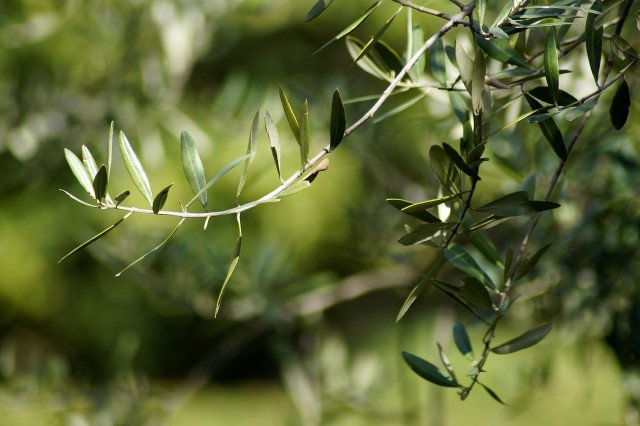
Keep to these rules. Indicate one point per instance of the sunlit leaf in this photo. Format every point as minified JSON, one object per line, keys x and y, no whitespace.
{"x":524,"y":341}
{"x":288,"y":112}
{"x":461,"y":338}
{"x":400,"y":107}
{"x":94,"y":238}
{"x":89,"y":161}
{"x":423,"y":205}
{"x":317,"y":9}
{"x":274,"y":140}
{"x":481,"y":8}
{"x":252,"y":146}
{"x":161,"y":198}
{"x":296,"y":187}
{"x":620,"y":104}
{"x":365,"y":14}
{"x":192,"y":166}
{"x":498,"y":32}
{"x":78,"y":200}
{"x":580,"y":110}
{"x":461,"y":260}
{"x":110,"y":151}
{"x":222,"y":172}
{"x":100,"y":183}
{"x":304,"y":135}
{"x":417,"y":37}
{"x":135,"y":169}
{"x":477,"y":84}
{"x":368,"y":65}
{"x":437,"y":62}
{"x":374,"y":39}
{"x":338,"y":120}
{"x":428,"y":371}
{"x":424,"y":232}
{"x":446,"y":363}
{"x":551,"y":68}
{"x":550,"y":131}
{"x":79,"y":171}
{"x":423,"y":215}
{"x":502,"y":51}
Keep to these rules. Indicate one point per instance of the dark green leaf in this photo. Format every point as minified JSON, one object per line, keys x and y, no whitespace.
{"x":457,"y":159}
{"x":529,"y":263}
{"x":461,"y":338}
{"x":487,"y":222}
{"x":415,"y":292}
{"x":465,"y":66}
{"x":437,"y":62}
{"x":304,"y":135}
{"x":540,"y":206}
{"x":100,"y":183}
{"x":529,"y":185}
{"x":252,"y":146}
{"x":365,"y":14}
{"x":424,"y":232}
{"x":338,"y":120}
{"x":317,"y":9}
{"x":456,"y":295}
{"x":423,"y":215}
{"x":161,"y":198}
{"x":135,"y":169}
{"x":580,"y":110}
{"x":622,"y":49}
{"x":502,"y":51}
{"x":508,"y":205}
{"x":444,"y":169}
{"x":428,"y":204}
{"x":428,"y":371}
{"x":374,"y":39}
{"x":593,"y":40}
{"x":620,"y":104}
{"x":507,"y":263}
{"x":524,"y":341}
{"x":536,"y":118}
{"x":544,"y":94}
{"x":192,"y":166}
{"x":550,"y":131}
{"x":474,"y":292}
{"x":122,"y":196}
{"x":232,"y":266}
{"x":492,"y":394}
{"x":79,"y":171}
{"x":94,"y":238}
{"x":551,"y":68}
{"x":367,"y":63}
{"x":477,"y":82}
{"x":222,"y":172}
{"x":388,"y":56}
{"x":288,"y":112}
{"x":274,"y":140}
{"x":461,"y":260}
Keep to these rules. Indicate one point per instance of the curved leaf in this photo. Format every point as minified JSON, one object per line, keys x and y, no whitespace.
{"x":551,"y":68}
{"x":296,"y":187}
{"x":437,"y":62}
{"x":459,"y":161}
{"x":524,"y":341}
{"x":501,"y":50}
{"x":121,"y":197}
{"x":416,"y":207}
{"x":288,"y":112}
{"x":192,"y":166}
{"x":418,"y":288}
{"x":461,"y":260}
{"x":492,"y":394}
{"x":94,"y":238}
{"x":423,"y":215}
{"x":620,"y":104}
{"x":317,"y":9}
{"x":232,"y":266}
{"x":424,"y":232}
{"x":374,"y":39}
{"x":338,"y":120}
{"x":428,"y":371}
{"x":79,"y":171}
{"x":221,"y":173}
{"x":580,"y":110}
{"x":531,"y":262}
{"x":366,"y":63}
{"x":135,"y":169}
{"x":461,"y":338}
{"x":444,"y":169}
{"x":274,"y":140}
{"x":100,"y":183}
{"x":252,"y":146}
{"x":593,"y":40}
{"x":550,"y":131}
{"x":161,"y":198}
{"x":89,"y":161}
{"x":622,"y":49}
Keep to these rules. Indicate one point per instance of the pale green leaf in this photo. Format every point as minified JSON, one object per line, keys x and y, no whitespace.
{"x":288,"y":112}
{"x":524,"y":341}
{"x":135,"y":169}
{"x":274,"y":140}
{"x":80,"y":172}
{"x":252,"y":146}
{"x":317,"y":9}
{"x":192,"y":166}
{"x":222,"y":172}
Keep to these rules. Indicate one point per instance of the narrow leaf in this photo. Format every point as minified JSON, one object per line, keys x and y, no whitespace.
{"x":94,"y":238}
{"x":79,"y":171}
{"x":121,"y":197}
{"x":455,"y":294}
{"x":365,"y":14}
{"x":465,"y":66}
{"x":446,"y":363}
{"x":417,"y":290}
{"x":428,"y":371}
{"x":161,"y":198}
{"x":481,"y":8}
{"x":390,"y":59}
{"x":485,"y":246}
{"x":232,"y":266}
{"x":416,"y":207}
{"x":508,"y":205}
{"x":499,"y":32}
{"x":400,"y":107}
{"x":366,"y":63}
{"x":492,"y":394}
{"x":338,"y":120}
{"x":550,"y":131}
{"x":437,"y":62}
{"x":461,"y":338}
{"x":374,"y":39}
{"x":459,"y":161}
{"x":192,"y":166}
{"x":444,"y":169}
{"x":110,"y":151}
{"x":593,"y":40}
{"x":528,"y":185}
{"x":620,"y":104}
{"x":78,"y":200}
{"x":89,"y":161}
{"x":417,"y":37}
{"x":544,"y":94}
{"x":274,"y":140}
{"x":475,"y":292}
{"x":222,"y":172}
{"x":531,"y":262}
{"x":100,"y":183}
{"x":524,"y":341}
{"x":252,"y":146}
{"x":507,"y":263}
{"x":622,"y":49}
{"x":501,"y":51}
{"x":551,"y":68}
{"x":317,"y":9}
{"x":296,"y":187}
{"x":580,"y":110}
{"x":424,"y":232}
{"x":135,"y":169}
{"x":461,"y":260}
{"x":477,"y":83}
{"x":423,"y":215}
{"x":304,"y":135}
{"x":288,"y":112}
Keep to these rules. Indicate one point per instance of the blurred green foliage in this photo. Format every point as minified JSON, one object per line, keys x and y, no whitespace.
{"x":82,"y":347}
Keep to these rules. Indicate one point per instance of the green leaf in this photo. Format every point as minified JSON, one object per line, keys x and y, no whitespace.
{"x":110,"y":151}
{"x":89,"y":161}
{"x":622,"y":49}
{"x":428,"y":371}
{"x":252,"y":146}
{"x":338,"y":120}
{"x":446,"y":363}
{"x":365,"y":14}
{"x":423,"y":215}
{"x":415,"y":292}
{"x":78,"y":200}
{"x":492,"y":394}
{"x":192,"y":166}
{"x":288,"y":112}
{"x":122,"y":196}
{"x":474,"y":292}
{"x":550,"y":131}
{"x":390,"y":59}
{"x":274,"y":140}
{"x":437,"y":62}
{"x":232,"y":266}
{"x":507,"y":263}
{"x":304,"y":135}
{"x":465,"y":66}
{"x":417,"y":36}
{"x":461,"y":260}
{"x":461,"y":338}
{"x":444,"y":169}
{"x":135,"y":169}
{"x":487,"y":222}
{"x":501,"y":51}
{"x":79,"y":171}
{"x":544,"y":94}
{"x":593,"y":40}
{"x":456,"y":295}
{"x":400,"y":107}
{"x":551,"y":68}
{"x":459,"y":104}
{"x":100,"y":183}
{"x":94,"y":238}
{"x":424,"y":232}
{"x":485,"y":246}
{"x":477,"y":83}
{"x":153,"y":249}
{"x":457,"y":159}
{"x":499,"y":33}
{"x":531,"y":262}
{"x":374,"y":39}
{"x":481,"y":8}
{"x":416,"y":207}
{"x":620,"y":104}
{"x":222,"y":172}
{"x":580,"y":110}
{"x":296,"y":187}
{"x":161,"y":198}
{"x":317,"y":9}
{"x":516,"y":204}
{"x":524,"y":341}
{"x":367,"y":63}
{"x":528,"y":185}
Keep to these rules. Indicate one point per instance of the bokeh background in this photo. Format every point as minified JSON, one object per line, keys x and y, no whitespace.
{"x":307,"y":332}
